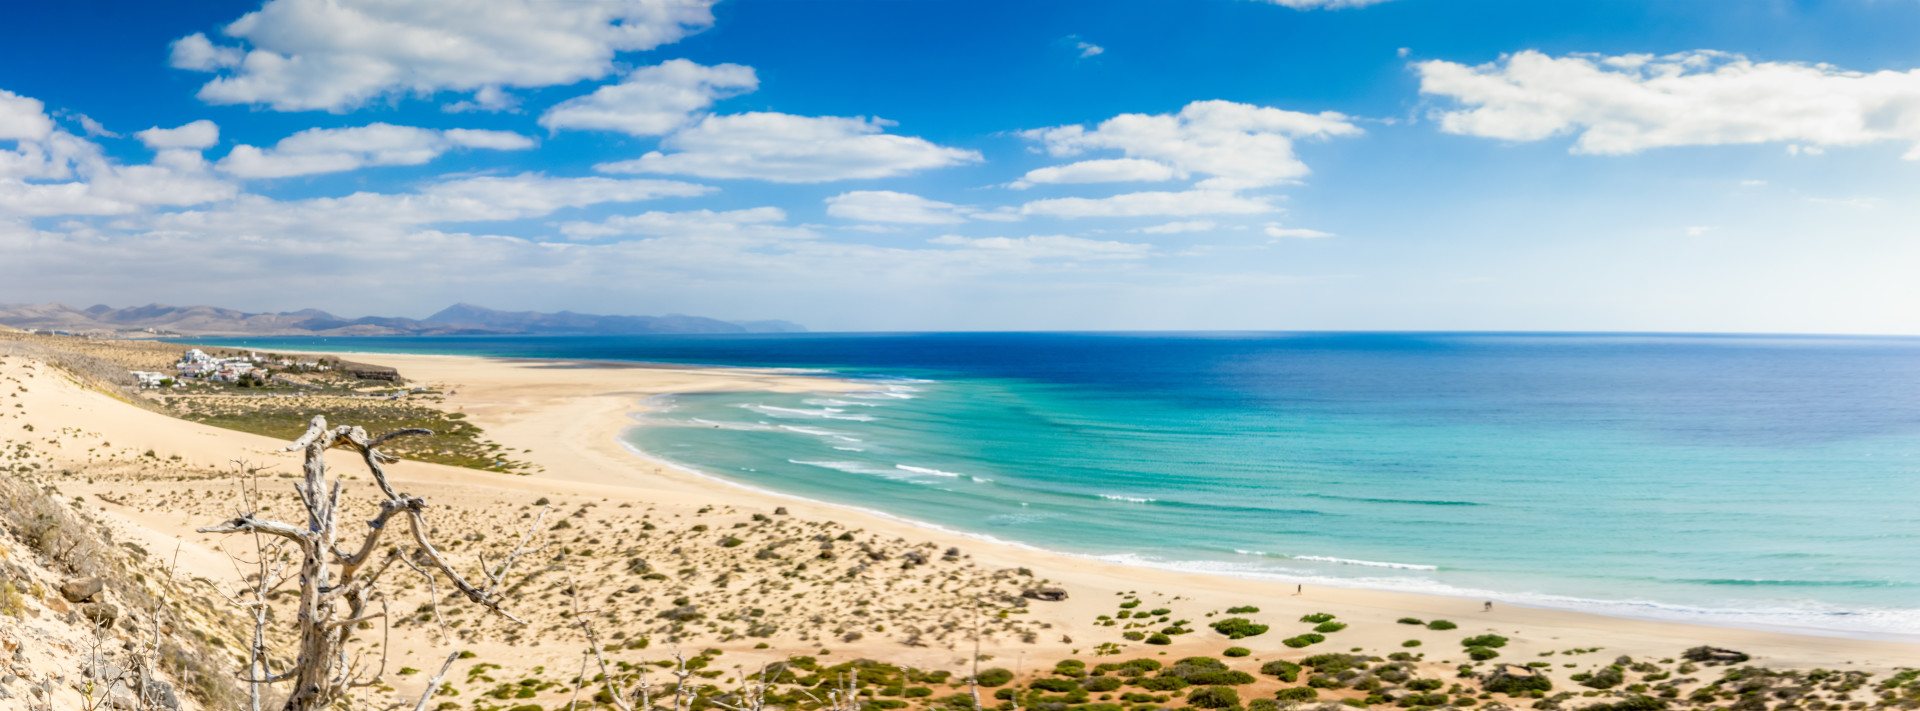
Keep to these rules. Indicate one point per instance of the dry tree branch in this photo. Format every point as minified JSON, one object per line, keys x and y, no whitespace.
{"x":433,"y":684}
{"x":336,"y":588}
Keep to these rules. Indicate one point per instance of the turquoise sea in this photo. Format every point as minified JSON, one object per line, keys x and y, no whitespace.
{"x":1754,"y":481}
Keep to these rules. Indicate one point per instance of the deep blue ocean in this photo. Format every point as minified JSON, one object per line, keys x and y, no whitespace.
{"x":1762,"y":481}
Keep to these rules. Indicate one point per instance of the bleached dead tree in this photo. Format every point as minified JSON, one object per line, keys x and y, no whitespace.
{"x":338,"y":588}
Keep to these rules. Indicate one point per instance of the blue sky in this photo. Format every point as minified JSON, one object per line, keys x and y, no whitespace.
{"x":1712,"y":165}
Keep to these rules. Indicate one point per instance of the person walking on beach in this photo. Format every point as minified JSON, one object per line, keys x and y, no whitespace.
{"x":1488,"y":607}
{"x":1299,"y":588}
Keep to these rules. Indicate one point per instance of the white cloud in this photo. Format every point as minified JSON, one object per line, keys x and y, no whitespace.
{"x":486,"y":98}
{"x":692,"y":222}
{"x":1324,"y":4}
{"x":93,"y":128}
{"x":1698,"y":230}
{"x":328,"y":150}
{"x":1049,"y":247}
{"x":1108,"y":170}
{"x":1144,"y":204}
{"x":338,"y":54}
{"x":1275,"y":231}
{"x":199,"y":135}
{"x":890,"y":206}
{"x":1240,"y":145}
{"x":1089,"y":49}
{"x":197,"y":53}
{"x":23,"y":118}
{"x":785,"y":148}
{"x":1630,"y":103}
{"x":652,"y":101}
{"x":87,"y":182}
{"x":1752,"y":183}
{"x":1179,"y":227}
{"x":481,"y":199}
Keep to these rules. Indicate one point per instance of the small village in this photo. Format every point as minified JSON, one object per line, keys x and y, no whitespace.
{"x":252,"y":368}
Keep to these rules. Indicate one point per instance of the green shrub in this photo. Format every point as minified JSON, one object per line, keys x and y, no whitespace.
{"x":1214,"y":697}
{"x":1316,"y":618}
{"x":1070,"y":667}
{"x":1411,"y":700}
{"x":995,"y":677}
{"x":1206,"y":671}
{"x":1140,"y":666}
{"x":1606,"y":678}
{"x":1410,"y":643}
{"x":1412,"y":621}
{"x":1485,"y":640}
{"x":1237,"y":652}
{"x":1159,"y":638}
{"x":1329,"y":627}
{"x":1322,"y":681}
{"x":1058,"y":686}
{"x":1441,"y":625}
{"x":1636,"y":703}
{"x":1297,"y":694}
{"x":1238,"y":627}
{"x":1516,"y":684}
{"x":1287,"y":671}
{"x":1101,"y":684}
{"x":1263,"y":705}
{"x":1159,"y":611}
{"x":1333,"y":662}
{"x":1481,"y":654}
{"x":1162,"y":683}
{"x":1303,"y":640}
{"x":1134,"y":635}
{"x":914,"y":692}
{"x":1242,"y":610}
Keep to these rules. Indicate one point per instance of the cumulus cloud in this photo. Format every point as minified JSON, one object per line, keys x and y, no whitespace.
{"x":1089,"y":49}
{"x":890,"y":206}
{"x":383,"y":253}
{"x":479,"y":199}
{"x":199,"y":135}
{"x":23,"y":118}
{"x":785,"y":148}
{"x":652,"y":101}
{"x":1277,"y":232}
{"x":1239,"y":145}
{"x":197,"y":53}
{"x":1631,"y":103}
{"x":1109,"y":170}
{"x":760,"y":221}
{"x":1147,"y":204}
{"x":334,"y":55}
{"x":1178,"y":227}
{"x":51,"y":172}
{"x":1049,"y":247}
{"x":329,"y":150}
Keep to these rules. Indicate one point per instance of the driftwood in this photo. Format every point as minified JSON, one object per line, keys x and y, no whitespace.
{"x":339,"y":588}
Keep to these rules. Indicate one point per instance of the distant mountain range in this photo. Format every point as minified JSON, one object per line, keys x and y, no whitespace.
{"x":458,"y":319}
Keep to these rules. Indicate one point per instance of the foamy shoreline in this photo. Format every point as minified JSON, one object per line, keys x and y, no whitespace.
{"x":1648,"y":610}
{"x":574,"y":418}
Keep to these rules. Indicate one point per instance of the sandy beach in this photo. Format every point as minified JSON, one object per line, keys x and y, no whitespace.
{"x":566,"y":418}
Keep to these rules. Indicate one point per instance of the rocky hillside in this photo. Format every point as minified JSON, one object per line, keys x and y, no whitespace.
{"x":89,"y":623}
